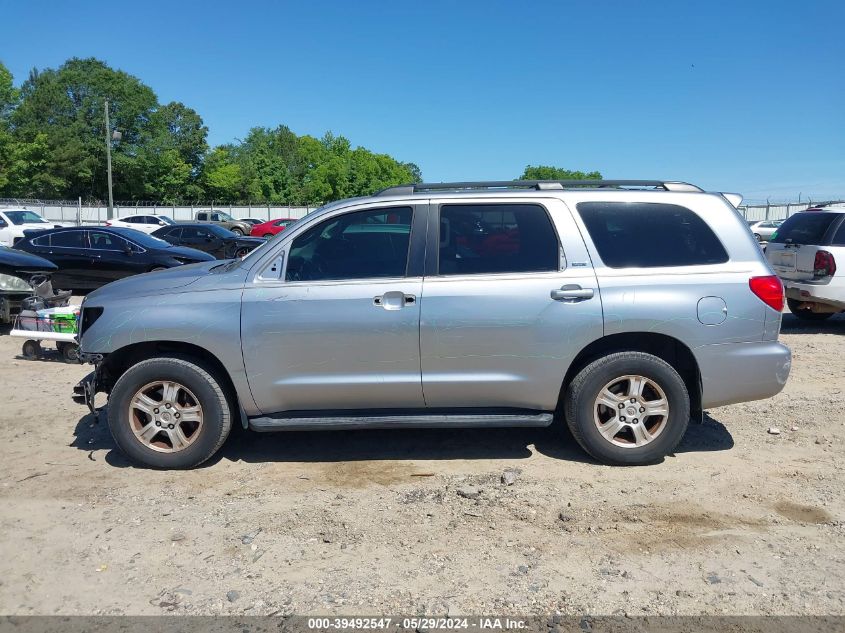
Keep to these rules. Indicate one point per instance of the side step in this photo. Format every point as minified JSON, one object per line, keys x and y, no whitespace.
{"x":392,"y":421}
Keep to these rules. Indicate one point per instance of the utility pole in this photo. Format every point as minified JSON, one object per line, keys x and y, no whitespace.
{"x":110,"y":212}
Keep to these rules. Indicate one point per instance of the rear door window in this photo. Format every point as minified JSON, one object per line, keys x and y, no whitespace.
{"x":68,"y":239}
{"x":496,"y":238}
{"x":106,"y":242}
{"x":650,"y":235}
{"x":807,"y":227}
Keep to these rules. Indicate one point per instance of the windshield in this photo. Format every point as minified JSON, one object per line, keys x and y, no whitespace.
{"x":258,"y":252}
{"x":25,"y":217}
{"x":225,"y":217}
{"x":142,"y":239}
{"x":804,"y":228}
{"x":166,"y":219}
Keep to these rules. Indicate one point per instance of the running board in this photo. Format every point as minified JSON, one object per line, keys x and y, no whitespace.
{"x":334,"y":423}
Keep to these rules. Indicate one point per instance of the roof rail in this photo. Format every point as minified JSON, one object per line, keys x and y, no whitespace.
{"x":403,"y":190}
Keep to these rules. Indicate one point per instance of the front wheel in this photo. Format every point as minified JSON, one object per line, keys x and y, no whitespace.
{"x":268,"y":235}
{"x":169,"y":413}
{"x":805,"y":314}
{"x":628,"y":408}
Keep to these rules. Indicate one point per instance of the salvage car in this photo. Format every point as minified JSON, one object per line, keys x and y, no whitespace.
{"x":241,"y":227}
{"x":88,"y":258}
{"x":210,"y":238}
{"x":16,"y":269}
{"x":146,"y":223}
{"x":271,"y":228}
{"x":619,"y":308}
{"x":13,"y":223}
{"x":764,"y":229}
{"x":804,"y":253}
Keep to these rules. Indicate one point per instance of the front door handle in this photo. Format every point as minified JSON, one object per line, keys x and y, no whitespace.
{"x":572,"y":292}
{"x":394,"y":300}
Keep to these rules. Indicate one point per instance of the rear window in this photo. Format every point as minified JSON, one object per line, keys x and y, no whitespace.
{"x":805,"y":228}
{"x":650,"y":235}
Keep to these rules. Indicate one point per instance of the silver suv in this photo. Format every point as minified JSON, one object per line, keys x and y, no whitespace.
{"x":623,"y":308}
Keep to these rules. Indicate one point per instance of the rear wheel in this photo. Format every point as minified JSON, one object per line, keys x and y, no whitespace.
{"x":804,"y":313}
{"x":169,"y":413}
{"x":268,"y":235}
{"x":69,"y":351}
{"x":628,"y":408}
{"x":238,"y":231}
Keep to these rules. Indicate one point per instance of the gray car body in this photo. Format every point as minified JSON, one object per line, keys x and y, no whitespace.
{"x":297,"y":348}
{"x":206,"y":217}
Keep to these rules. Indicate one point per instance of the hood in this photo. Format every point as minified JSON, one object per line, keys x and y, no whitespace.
{"x":187,"y":253}
{"x":249,"y":241}
{"x":13,"y":261}
{"x":154,"y":283}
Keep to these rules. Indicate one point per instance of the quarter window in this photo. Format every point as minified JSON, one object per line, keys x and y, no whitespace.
{"x":358,"y":245}
{"x":106,"y":242}
{"x":496,"y":238}
{"x":839,"y":236}
{"x":650,"y":235}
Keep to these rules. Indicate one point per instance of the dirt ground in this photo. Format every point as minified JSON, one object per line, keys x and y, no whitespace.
{"x":739,"y":521}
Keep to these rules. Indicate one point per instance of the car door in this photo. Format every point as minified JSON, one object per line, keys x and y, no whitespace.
{"x":68,"y":251}
{"x":509,"y":299}
{"x":330,"y":320}
{"x":112,"y":257}
{"x":200,"y":238}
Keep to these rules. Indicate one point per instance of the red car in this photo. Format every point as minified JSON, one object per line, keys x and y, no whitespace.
{"x":269,"y":229}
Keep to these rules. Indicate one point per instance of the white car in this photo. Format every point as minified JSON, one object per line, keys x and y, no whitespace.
{"x":146,"y":223}
{"x":764,"y":229}
{"x":805,"y":252}
{"x":13,"y":222}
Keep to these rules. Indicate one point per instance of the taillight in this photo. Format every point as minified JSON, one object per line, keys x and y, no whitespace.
{"x":824,"y":264}
{"x":769,"y":289}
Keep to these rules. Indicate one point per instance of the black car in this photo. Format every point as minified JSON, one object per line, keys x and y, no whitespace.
{"x":88,"y":258}
{"x":16,"y":270}
{"x":211,"y":238}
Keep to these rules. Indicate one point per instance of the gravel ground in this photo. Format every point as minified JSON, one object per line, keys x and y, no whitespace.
{"x":738,"y":521}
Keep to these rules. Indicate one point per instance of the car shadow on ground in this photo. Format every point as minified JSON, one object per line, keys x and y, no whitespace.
{"x":832,"y":325}
{"x":92,"y":435}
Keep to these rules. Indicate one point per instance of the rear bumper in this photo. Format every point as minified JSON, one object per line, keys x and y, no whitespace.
{"x":814,"y":292}
{"x":739,"y":372}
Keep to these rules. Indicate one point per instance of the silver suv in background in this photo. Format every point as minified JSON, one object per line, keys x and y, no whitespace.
{"x":620,"y":308}
{"x":804,"y":253}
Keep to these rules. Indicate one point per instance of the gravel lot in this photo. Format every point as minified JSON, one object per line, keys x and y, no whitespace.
{"x":739,"y":521}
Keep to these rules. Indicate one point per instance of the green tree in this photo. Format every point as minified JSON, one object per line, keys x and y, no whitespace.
{"x":546,"y":172}
{"x":8,"y":101}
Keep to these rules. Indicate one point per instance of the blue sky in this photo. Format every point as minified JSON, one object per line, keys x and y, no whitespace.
{"x":736,"y":96}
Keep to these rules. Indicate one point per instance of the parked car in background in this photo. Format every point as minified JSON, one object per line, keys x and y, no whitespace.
{"x":16,"y":268}
{"x":88,"y":258}
{"x":804,"y":253}
{"x":271,"y":228}
{"x":764,"y":229}
{"x":13,"y":223}
{"x":252,"y":221}
{"x":210,"y":238}
{"x":620,"y":308}
{"x":241,"y":227}
{"x":145,"y":223}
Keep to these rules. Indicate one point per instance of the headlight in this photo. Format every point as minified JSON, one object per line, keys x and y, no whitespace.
{"x":14,"y":284}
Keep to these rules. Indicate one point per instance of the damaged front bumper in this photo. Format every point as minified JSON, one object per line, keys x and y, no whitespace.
{"x":86,"y":389}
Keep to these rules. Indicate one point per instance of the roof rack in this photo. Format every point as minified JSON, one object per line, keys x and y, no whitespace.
{"x":402,"y":190}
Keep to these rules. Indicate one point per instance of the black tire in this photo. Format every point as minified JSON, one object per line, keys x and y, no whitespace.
{"x":241,"y":252}
{"x":158,"y":268}
{"x":31,"y":349}
{"x":580,"y":402}
{"x":757,"y":237}
{"x":268,"y":235}
{"x":69,"y":351}
{"x":217,"y":417}
{"x":804,"y":314}
{"x":237,"y":231}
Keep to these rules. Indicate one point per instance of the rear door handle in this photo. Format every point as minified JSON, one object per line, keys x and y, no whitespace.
{"x":572,"y":292}
{"x":394,"y":300}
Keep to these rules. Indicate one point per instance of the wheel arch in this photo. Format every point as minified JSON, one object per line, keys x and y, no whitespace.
{"x":116,"y":363}
{"x":663,"y":346}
